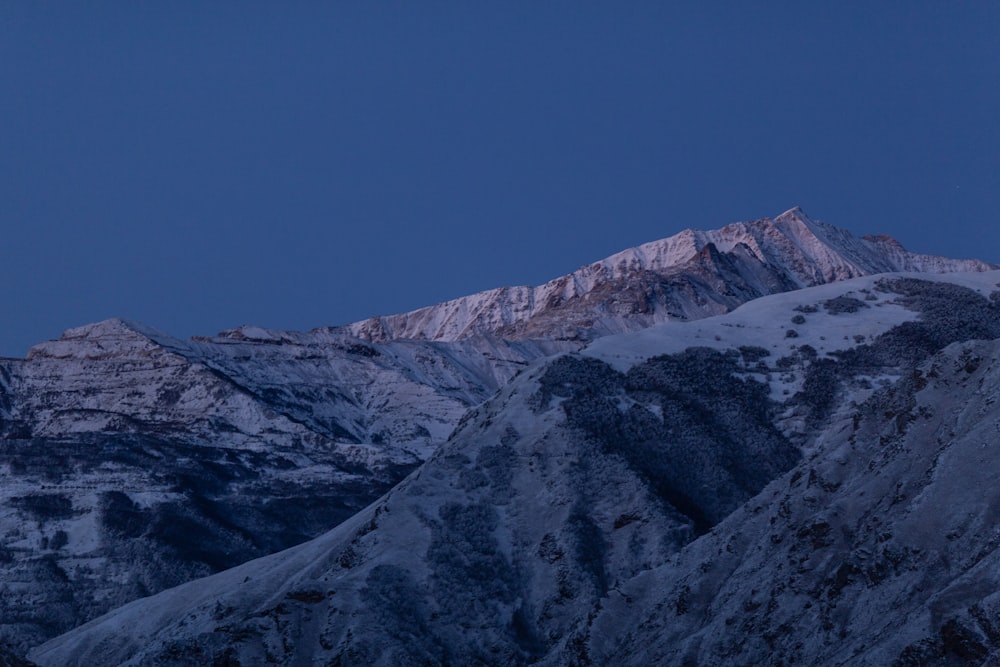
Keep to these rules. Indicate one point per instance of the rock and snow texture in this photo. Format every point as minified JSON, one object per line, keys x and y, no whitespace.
{"x":505,"y":539}
{"x":690,"y":275}
{"x":882,"y":549}
{"x":732,"y":503}
{"x":131,"y":461}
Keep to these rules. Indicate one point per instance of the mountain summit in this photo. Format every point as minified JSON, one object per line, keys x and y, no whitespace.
{"x":700,"y":493}
{"x":690,"y":275}
{"x":132,"y":461}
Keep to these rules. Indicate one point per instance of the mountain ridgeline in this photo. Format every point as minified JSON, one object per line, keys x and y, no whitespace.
{"x":691,"y":275}
{"x":483,"y":481}
{"x":686,"y":510}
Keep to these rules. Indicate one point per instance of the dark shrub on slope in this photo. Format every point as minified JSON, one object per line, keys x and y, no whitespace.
{"x":948,"y":314}
{"x":698,"y":434}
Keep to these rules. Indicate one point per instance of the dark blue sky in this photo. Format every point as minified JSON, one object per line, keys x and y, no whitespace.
{"x":197,"y":166}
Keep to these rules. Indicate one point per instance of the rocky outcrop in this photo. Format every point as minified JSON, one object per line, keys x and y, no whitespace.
{"x":691,"y":275}
{"x":805,"y":499}
{"x":131,"y":461}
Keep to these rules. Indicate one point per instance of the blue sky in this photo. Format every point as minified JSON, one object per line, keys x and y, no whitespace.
{"x":197,"y":166}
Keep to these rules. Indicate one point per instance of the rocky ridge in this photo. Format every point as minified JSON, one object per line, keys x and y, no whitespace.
{"x":132,"y":461}
{"x":809,"y":500}
{"x":690,"y":275}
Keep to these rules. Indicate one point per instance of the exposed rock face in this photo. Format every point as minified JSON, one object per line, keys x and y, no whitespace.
{"x":131,"y":461}
{"x":803,"y":500}
{"x":691,"y":275}
{"x":499,"y":545}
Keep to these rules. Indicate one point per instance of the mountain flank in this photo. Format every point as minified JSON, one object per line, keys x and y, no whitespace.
{"x":132,"y":462}
{"x":807,"y":500}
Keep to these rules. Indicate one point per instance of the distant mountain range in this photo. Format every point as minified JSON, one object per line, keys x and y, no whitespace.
{"x":553,"y":472}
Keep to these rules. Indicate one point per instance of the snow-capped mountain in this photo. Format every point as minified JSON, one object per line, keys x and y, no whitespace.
{"x":690,"y":275}
{"x":809,"y":479}
{"x":132,"y":461}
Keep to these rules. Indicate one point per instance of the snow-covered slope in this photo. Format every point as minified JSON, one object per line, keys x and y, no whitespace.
{"x":690,"y":275}
{"x":132,"y":461}
{"x":760,"y":498}
{"x":882,"y":549}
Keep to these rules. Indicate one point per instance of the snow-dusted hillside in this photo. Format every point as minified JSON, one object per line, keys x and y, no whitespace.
{"x":882,"y":549}
{"x":131,"y":461}
{"x":690,"y":275}
{"x":825,"y":496}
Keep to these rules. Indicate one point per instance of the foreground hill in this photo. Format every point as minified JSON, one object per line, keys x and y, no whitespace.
{"x":806,"y":479}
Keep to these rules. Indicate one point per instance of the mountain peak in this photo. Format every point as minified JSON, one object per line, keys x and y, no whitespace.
{"x":113,"y":326}
{"x":132,"y":457}
{"x":796,"y":213}
{"x":106,"y":338}
{"x":836,"y":477}
{"x":664,"y":280}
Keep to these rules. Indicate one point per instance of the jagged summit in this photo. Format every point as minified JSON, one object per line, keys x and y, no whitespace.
{"x":115,"y":326}
{"x":111,"y":337}
{"x":665,"y":280}
{"x":796,"y":216}
{"x":795,"y":211}
{"x":692,"y":274}
{"x":133,"y":461}
{"x":702,"y":493}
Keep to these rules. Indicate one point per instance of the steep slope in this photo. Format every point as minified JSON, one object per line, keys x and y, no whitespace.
{"x":133,"y":461}
{"x":691,"y":275}
{"x":604,"y":512}
{"x":884,"y":549}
